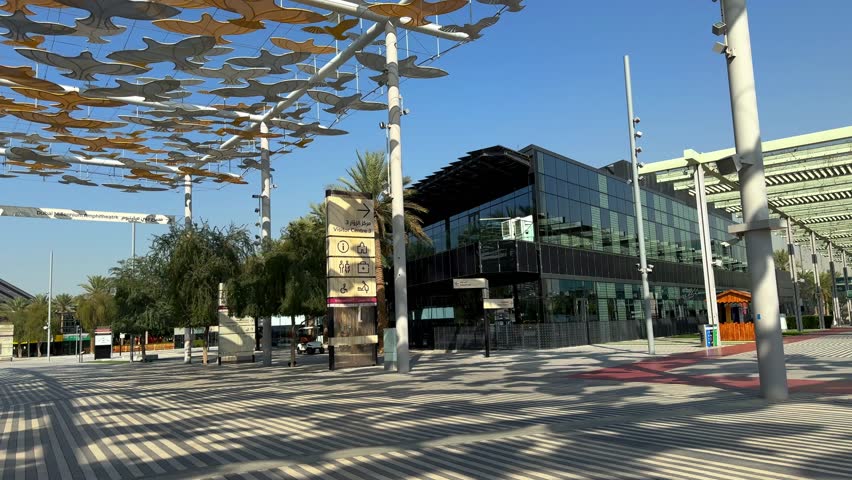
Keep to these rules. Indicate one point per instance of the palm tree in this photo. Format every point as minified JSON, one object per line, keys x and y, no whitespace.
{"x":782,"y":259}
{"x":63,"y":305}
{"x":97,"y":284}
{"x":96,"y":306}
{"x":370,"y":175}
{"x":14,"y":311}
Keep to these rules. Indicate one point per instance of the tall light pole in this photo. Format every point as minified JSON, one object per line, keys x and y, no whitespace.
{"x":49,"y":304}
{"x":637,"y":202}
{"x":756,"y":222}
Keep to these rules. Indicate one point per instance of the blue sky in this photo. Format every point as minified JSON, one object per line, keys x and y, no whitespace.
{"x":550,"y":75}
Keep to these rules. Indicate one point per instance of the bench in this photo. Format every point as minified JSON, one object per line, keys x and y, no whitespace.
{"x":238,"y":358}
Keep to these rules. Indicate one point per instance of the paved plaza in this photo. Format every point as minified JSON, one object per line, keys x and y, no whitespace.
{"x":606,"y":411}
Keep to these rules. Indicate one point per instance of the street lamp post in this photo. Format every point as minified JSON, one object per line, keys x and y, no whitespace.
{"x":49,"y":305}
{"x":637,"y":202}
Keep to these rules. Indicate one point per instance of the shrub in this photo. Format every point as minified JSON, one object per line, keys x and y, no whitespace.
{"x":811,"y":321}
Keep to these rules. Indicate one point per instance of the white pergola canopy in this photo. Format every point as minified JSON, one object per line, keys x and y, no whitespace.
{"x":808,"y":182}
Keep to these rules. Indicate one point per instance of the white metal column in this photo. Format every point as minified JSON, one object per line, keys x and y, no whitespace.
{"x":187,"y":200}
{"x":835,"y":302}
{"x":637,"y":202}
{"x":846,"y":289}
{"x":265,"y":229}
{"x":794,"y":275}
{"x":400,"y":281}
{"x":706,"y":246}
{"x":817,"y":283}
{"x":749,"y":153}
{"x":187,"y":219}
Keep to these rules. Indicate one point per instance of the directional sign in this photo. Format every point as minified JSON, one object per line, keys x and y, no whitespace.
{"x":470,"y":283}
{"x":351,"y":267}
{"x":498,"y":303}
{"x":350,"y":247}
{"x":350,"y":216}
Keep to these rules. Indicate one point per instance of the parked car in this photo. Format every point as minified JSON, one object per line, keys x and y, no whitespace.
{"x":310,"y":347}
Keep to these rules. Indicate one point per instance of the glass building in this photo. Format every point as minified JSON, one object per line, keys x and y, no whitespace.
{"x":559,"y":237}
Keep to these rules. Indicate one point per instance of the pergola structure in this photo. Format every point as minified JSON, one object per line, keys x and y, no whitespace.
{"x":155,"y":95}
{"x":808,"y":183}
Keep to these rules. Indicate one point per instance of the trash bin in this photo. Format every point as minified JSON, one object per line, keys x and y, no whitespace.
{"x":709,"y":335}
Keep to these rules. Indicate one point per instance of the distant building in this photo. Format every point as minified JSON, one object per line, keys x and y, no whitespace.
{"x":9,"y":292}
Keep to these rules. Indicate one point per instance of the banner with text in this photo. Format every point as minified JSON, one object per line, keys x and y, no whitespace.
{"x":86,"y":215}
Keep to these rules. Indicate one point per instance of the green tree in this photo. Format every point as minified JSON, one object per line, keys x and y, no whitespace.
{"x":782,"y":259}
{"x":809,"y":289}
{"x":370,"y":175}
{"x":96,"y":306}
{"x":194,"y":260}
{"x":15,"y":311}
{"x":36,"y":320}
{"x":140,"y":298}
{"x":302,"y":250}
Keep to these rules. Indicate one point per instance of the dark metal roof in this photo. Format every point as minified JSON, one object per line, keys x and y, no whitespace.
{"x":9,"y":291}
{"x":480,"y":176}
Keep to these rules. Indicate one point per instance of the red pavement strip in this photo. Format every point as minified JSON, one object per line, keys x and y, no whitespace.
{"x":659,"y":370}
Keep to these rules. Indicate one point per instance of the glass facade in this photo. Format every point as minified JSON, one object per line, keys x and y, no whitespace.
{"x":481,"y":223}
{"x":571,"y":274}
{"x":580,"y":207}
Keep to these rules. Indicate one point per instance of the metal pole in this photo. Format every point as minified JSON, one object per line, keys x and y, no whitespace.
{"x":817,"y":285}
{"x":637,"y":203}
{"x":49,"y":304}
{"x":187,"y":218}
{"x":835,"y":303}
{"x":791,"y":249}
{"x":706,"y":247}
{"x":400,"y":282}
{"x":133,"y":240}
{"x":486,"y":323}
{"x":770,"y":344}
{"x":846,"y":289}
{"x":265,"y":230}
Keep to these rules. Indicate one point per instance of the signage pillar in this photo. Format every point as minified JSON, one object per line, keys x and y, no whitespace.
{"x":758,"y":237}
{"x":400,"y":283}
{"x":351,"y":279}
